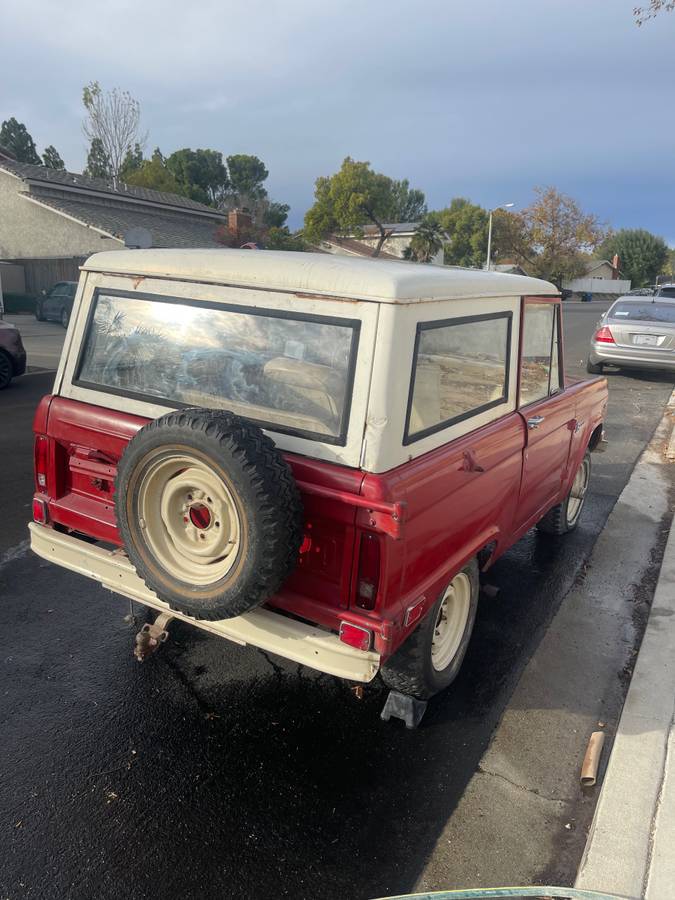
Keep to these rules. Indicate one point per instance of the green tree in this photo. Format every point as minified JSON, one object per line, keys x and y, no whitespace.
{"x":201,"y":174}
{"x":349,"y":199}
{"x":408,"y":204}
{"x":280,"y":238}
{"x":642,"y":255}
{"x":154,"y":174}
{"x":246,"y":174}
{"x":51,"y":158}
{"x":132,"y":162}
{"x":98,"y":165}
{"x":275,"y":214}
{"x":14,"y":137}
{"x":466,"y":225}
{"x":426,"y":242}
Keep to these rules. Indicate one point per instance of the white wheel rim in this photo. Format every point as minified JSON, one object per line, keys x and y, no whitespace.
{"x":189,"y":519}
{"x":450,"y":626}
{"x":578,"y":492}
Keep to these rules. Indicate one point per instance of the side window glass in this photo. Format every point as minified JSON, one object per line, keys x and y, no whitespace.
{"x":539,"y":372}
{"x":460,"y":369}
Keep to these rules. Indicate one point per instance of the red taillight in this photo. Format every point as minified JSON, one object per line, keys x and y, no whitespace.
{"x":356,"y":636}
{"x":369,"y":571}
{"x":41,"y":461}
{"x":604,"y":336}
{"x":40,"y":514}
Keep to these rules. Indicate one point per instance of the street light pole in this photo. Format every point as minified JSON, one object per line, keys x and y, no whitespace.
{"x":488,"y":261}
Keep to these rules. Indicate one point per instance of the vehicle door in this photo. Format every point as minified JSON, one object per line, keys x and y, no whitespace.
{"x":51,"y":305}
{"x":547,"y":414}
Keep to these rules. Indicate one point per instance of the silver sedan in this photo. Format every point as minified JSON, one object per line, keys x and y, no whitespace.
{"x":635,"y":332}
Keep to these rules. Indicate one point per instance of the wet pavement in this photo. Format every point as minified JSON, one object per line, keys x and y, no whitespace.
{"x":217,"y":771}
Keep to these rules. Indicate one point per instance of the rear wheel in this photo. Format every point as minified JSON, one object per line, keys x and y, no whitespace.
{"x":431,"y":657}
{"x":6,"y":370}
{"x":209,"y":512}
{"x":593,"y":368}
{"x":565,"y":516}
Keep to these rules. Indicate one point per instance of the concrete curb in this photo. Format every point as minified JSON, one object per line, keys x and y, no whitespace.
{"x":630,"y":845}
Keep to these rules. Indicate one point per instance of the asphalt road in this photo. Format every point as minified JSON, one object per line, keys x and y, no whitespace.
{"x":215,"y":771}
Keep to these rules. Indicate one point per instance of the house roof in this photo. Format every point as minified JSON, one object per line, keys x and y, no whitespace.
{"x":322,"y":274}
{"x":357,"y":247}
{"x":71,"y":181}
{"x":168,"y":229}
{"x":172,"y":221}
{"x":393,"y":227}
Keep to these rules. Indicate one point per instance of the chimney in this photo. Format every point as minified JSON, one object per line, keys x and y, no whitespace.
{"x":238,"y":221}
{"x":616,"y":265}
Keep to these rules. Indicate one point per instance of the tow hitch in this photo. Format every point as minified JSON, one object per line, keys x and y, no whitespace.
{"x":152,"y":636}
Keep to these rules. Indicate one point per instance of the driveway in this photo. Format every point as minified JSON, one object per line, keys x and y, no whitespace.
{"x":43,"y":341}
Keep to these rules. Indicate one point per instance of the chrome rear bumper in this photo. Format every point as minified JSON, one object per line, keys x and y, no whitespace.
{"x":263,"y":628}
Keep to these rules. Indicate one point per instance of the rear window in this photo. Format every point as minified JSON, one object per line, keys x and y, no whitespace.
{"x":646,"y":311}
{"x":288,"y":372}
{"x":460,"y":369}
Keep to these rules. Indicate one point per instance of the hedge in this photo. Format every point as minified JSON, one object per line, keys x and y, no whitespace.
{"x":19,"y":303}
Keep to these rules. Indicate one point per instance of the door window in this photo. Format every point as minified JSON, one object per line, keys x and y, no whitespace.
{"x":540,"y":366}
{"x":460,"y":369}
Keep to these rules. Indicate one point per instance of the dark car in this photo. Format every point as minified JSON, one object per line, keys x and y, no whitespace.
{"x":56,"y":305}
{"x":12,"y":354}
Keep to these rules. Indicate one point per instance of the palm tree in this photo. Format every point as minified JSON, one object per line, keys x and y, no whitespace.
{"x":426,"y":242}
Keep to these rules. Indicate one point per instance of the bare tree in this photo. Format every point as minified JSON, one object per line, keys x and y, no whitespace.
{"x":643,"y":13}
{"x":113,"y":119}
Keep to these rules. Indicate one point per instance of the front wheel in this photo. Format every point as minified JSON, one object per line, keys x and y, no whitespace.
{"x":565,"y":516}
{"x":65,"y":317}
{"x":431,"y":657}
{"x":39,"y":315}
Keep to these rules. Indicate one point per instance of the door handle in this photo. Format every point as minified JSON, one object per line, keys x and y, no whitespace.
{"x":470,"y":464}
{"x":535,"y":421}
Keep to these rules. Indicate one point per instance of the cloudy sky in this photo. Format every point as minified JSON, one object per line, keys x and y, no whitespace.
{"x":481,"y":98}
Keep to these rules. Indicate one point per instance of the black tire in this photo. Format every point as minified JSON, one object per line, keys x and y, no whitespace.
{"x":65,"y":317}
{"x":410,"y":670}
{"x":263,"y":492}
{"x":6,"y":370}
{"x":39,"y":315}
{"x":593,"y":368}
{"x":560,"y":519}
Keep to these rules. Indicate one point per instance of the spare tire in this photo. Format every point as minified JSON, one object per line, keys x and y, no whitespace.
{"x":209,"y":512}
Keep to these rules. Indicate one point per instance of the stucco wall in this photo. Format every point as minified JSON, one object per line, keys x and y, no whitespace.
{"x":28,"y":230}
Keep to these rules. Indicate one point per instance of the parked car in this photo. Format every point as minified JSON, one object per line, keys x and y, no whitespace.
{"x":57,"y":304}
{"x":641,"y":292}
{"x":12,"y":354}
{"x":666,"y":290}
{"x":315,"y":455}
{"x":635,"y":333}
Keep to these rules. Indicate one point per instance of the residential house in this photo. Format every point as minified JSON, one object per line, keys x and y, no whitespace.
{"x":400,"y":236}
{"x":52,"y":220}
{"x":601,"y":277}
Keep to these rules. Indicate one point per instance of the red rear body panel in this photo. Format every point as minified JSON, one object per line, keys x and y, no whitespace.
{"x":473,"y":496}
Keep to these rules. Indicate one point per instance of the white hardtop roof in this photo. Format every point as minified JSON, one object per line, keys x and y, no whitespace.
{"x":318,"y":273}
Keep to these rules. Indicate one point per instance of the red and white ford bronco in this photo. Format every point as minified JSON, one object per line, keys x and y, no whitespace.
{"x":311,"y":454}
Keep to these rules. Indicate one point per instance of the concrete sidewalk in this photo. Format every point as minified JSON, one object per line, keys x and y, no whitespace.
{"x":631,"y":844}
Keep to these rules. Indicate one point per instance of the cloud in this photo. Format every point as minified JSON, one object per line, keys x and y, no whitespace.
{"x":484,"y":99}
